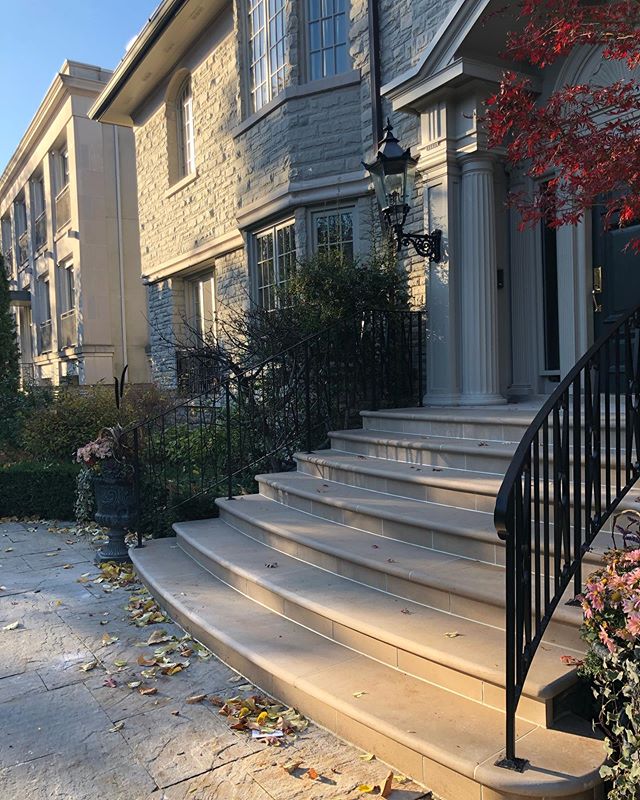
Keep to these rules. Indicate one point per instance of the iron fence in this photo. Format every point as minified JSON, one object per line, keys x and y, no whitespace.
{"x":256,"y":420}
{"x":578,"y":459}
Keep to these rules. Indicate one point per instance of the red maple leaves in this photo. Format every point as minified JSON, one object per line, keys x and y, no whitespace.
{"x":581,"y":145}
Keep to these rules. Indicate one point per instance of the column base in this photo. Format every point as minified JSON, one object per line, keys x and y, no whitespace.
{"x":482,"y":400}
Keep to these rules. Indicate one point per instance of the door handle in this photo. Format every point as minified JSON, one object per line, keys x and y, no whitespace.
{"x":597,"y":289}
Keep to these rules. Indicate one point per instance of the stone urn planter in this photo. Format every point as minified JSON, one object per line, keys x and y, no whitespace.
{"x":115,"y":509}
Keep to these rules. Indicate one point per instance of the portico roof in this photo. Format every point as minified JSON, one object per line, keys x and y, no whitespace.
{"x":468,"y":45}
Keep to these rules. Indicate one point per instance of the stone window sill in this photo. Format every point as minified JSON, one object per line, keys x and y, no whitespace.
{"x":176,"y":187}
{"x":302,"y":90}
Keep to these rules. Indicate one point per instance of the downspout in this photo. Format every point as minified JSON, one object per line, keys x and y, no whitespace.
{"x":374,"y":71}
{"x":123,"y":319}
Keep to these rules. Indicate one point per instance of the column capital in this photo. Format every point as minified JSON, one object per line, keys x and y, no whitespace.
{"x":480,"y":161}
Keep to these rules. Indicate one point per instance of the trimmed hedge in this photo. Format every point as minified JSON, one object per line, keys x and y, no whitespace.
{"x":38,"y":490}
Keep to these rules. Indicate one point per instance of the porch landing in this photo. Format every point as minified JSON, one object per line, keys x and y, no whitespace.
{"x":367,"y":588}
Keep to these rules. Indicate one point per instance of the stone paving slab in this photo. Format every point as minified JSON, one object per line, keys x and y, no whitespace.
{"x":68,"y":734}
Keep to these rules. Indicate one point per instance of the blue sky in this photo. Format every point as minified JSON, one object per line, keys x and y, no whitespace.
{"x":36,"y":36}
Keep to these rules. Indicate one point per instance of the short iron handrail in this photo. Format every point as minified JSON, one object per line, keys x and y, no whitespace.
{"x":576,"y":462}
{"x":256,"y":419}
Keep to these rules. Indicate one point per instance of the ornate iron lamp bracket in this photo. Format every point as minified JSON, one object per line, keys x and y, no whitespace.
{"x":427,"y":245}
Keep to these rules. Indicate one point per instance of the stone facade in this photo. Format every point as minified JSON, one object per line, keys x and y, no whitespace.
{"x":69,"y":216}
{"x":300,"y":153}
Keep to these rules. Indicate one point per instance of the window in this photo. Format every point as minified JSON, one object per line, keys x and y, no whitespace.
{"x":186,"y":137}
{"x":275,"y":263}
{"x":7,"y":243}
{"x":38,"y":211}
{"x":266,"y":50}
{"x":202,"y":312}
{"x":327,"y":21}
{"x":333,"y":230}
{"x":60,"y":170}
{"x":66,"y":288}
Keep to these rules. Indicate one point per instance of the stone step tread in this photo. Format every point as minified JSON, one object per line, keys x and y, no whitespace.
{"x":433,"y":442}
{"x":467,"y":481}
{"x":425,"y":719}
{"x":508,"y":414}
{"x":415,"y":628}
{"x":428,"y":441}
{"x":478,"y":525}
{"x":475,"y":580}
{"x":463,"y":480}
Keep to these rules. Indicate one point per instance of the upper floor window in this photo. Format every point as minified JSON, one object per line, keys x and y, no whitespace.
{"x":186,"y":135}
{"x":334,"y":231}
{"x":66,"y":288}
{"x":327,"y":20}
{"x":275,"y":263}
{"x":60,"y":170}
{"x":7,"y":241}
{"x":266,"y":50}
{"x":38,"y":212}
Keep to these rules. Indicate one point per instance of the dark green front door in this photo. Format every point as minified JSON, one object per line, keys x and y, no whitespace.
{"x":620,"y":272}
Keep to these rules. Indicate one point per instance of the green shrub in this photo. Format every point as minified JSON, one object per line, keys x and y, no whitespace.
{"x":77,"y":414}
{"x":38,"y":490}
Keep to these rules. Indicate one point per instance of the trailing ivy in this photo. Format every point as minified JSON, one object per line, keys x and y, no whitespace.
{"x":611,"y":605}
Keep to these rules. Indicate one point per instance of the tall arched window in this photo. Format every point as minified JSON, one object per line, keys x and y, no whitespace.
{"x":186,"y":138}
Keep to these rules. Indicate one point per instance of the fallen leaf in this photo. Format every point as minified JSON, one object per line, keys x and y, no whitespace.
{"x":8,"y":550}
{"x":120,"y":663}
{"x":110,"y":682}
{"x":291,"y":766}
{"x":134,"y":684}
{"x":367,"y":756}
{"x":147,"y":690}
{"x":89,"y":666}
{"x":117,"y":727}
{"x":311,"y":773}
{"x":271,"y":564}
{"x":365,"y":788}
{"x":400,"y":779}
{"x":571,"y":661}
{"x":405,"y":611}
{"x":12,"y":626}
{"x":107,"y":639}
{"x":196,"y":698}
{"x":359,"y":694}
{"x":452,"y":634}
{"x":386,"y":787}
{"x":68,"y":566}
{"x":143,"y":661}
{"x":158,"y":636}
{"x":3,"y":588}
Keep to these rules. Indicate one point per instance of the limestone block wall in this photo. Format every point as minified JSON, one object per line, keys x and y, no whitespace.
{"x":311,"y":132}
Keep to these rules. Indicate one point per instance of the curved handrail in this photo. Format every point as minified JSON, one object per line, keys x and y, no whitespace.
{"x":556,"y":495}
{"x":265,"y":412}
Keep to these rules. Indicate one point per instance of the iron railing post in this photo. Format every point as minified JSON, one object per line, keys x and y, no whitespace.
{"x":307,"y":396}
{"x":421,"y":387}
{"x":136,"y":485}
{"x":229,"y":448}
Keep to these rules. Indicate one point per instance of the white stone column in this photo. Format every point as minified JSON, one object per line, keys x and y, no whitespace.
{"x":479,"y":366}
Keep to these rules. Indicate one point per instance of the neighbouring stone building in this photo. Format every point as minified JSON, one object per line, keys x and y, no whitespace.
{"x":68,"y":211}
{"x":251,"y":120}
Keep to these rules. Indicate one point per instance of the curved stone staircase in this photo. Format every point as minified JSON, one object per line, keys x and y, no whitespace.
{"x":367,"y":590}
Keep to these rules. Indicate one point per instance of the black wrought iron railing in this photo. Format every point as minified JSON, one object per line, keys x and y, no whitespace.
{"x":197,"y":371}
{"x":578,"y":459}
{"x":256,"y":420}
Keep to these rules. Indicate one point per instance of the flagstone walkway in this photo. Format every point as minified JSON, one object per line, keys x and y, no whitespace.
{"x":72,"y":729}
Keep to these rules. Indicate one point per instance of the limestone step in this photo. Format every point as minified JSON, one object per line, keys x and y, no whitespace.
{"x":507,"y":423}
{"x":459,"y":531}
{"x":442,"y":451}
{"x":450,"y":487}
{"x":397,"y":632}
{"x":458,"y":488}
{"x":461,"y":586}
{"x":443,"y":740}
